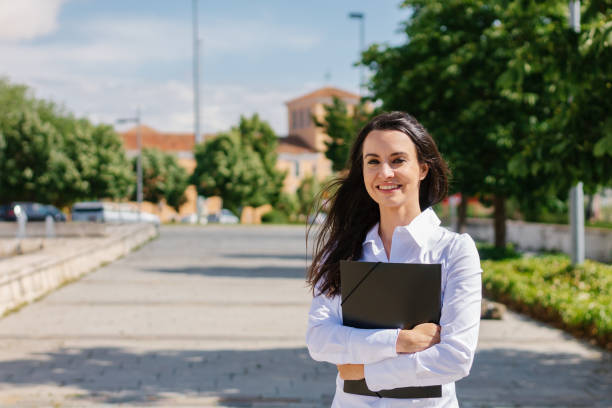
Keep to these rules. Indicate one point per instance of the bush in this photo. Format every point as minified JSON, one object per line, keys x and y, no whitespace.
{"x":275,"y":217}
{"x":488,"y":251}
{"x":575,"y":298}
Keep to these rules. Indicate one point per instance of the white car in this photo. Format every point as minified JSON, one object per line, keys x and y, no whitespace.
{"x":224,"y":217}
{"x":193,"y":219}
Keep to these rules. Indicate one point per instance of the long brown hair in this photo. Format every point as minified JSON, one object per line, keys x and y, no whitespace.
{"x":352,"y":212}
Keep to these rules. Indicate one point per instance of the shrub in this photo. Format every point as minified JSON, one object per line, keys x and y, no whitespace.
{"x":575,"y":298}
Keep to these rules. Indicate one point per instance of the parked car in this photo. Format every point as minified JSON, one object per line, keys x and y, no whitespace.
{"x":34,"y":211}
{"x":193,"y":219}
{"x":225,"y":216}
{"x":98,"y":211}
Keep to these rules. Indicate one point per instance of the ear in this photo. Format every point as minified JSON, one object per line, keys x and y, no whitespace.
{"x":424,"y":170}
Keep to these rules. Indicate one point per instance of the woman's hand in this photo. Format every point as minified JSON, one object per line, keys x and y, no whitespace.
{"x":420,"y":338}
{"x":351,"y":371}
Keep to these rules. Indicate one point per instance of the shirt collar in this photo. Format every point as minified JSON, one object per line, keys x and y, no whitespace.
{"x":420,"y":229}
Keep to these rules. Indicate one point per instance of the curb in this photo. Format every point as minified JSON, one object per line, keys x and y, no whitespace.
{"x":26,"y":278}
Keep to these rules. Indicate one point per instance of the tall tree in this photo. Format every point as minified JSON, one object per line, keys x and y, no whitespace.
{"x":227,"y":168}
{"x":240,"y":166}
{"x":48,"y":155}
{"x":485,"y":78}
{"x":257,"y":135}
{"x":33,"y":166}
{"x":342,"y":127}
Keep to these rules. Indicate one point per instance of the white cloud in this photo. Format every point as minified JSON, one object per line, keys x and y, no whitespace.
{"x":167,"y":105}
{"x":254,"y":36}
{"x":82,"y":73}
{"x":28,"y":19}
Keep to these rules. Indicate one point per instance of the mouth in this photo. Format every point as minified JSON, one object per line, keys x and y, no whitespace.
{"x":388,"y":187}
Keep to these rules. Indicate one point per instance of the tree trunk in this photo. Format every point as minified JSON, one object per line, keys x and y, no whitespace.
{"x":462,"y":214}
{"x":589,"y":207}
{"x":499,"y":203}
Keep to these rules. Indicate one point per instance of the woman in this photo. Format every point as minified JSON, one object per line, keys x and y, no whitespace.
{"x":381,"y":211}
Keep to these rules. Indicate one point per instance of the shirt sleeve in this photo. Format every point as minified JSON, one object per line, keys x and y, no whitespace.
{"x":328,"y":340}
{"x":452,"y":358}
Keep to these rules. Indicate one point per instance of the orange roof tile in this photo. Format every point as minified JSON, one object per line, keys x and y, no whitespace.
{"x":325,"y":92}
{"x":173,"y":142}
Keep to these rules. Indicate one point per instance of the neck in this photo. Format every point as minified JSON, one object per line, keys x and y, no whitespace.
{"x":390,"y":218}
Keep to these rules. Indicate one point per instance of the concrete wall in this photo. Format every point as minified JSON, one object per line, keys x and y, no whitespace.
{"x":24,"y":278}
{"x":8,"y":229}
{"x":535,"y":237}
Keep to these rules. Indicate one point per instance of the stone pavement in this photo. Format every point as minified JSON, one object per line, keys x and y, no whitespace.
{"x":216,"y":316}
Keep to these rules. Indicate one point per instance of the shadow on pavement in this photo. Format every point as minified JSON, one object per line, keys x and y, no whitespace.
{"x":302,"y":257}
{"x":275,"y":377}
{"x":286,"y":377}
{"x":239,"y":272}
{"x":520,"y":378}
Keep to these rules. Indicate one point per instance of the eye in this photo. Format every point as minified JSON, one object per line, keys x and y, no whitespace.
{"x":399,"y":160}
{"x":372,"y":162}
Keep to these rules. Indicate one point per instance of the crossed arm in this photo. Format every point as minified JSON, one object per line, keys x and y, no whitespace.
{"x":392,"y":358}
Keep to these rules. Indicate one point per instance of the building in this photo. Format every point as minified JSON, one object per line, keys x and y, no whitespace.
{"x":301,"y":110}
{"x":179,"y":144}
{"x":302,"y":153}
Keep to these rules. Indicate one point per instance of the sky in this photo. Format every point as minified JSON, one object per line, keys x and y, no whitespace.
{"x":105,"y":58}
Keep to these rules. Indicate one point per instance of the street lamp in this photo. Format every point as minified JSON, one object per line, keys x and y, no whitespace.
{"x":136,"y":120}
{"x":196,"y":73}
{"x":576,"y":192}
{"x":361,"y":18}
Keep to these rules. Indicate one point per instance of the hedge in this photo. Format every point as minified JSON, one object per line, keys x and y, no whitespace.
{"x":577,"y":299}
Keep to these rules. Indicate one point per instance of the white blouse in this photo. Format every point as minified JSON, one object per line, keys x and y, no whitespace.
{"x":422,"y":241}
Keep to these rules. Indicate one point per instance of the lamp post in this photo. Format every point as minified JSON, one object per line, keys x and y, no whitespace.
{"x":361,"y":17}
{"x":196,"y":74}
{"x":136,"y":120}
{"x":576,"y":192}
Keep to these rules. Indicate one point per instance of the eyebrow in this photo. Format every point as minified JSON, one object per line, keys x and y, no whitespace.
{"x":392,"y":154}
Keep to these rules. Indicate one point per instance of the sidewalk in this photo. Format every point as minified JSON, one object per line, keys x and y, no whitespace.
{"x":216,"y":316}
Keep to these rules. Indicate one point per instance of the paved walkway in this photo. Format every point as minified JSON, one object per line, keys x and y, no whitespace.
{"x":216,"y":316}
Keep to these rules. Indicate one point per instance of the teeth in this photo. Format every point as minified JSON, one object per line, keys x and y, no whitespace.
{"x":388,"y":187}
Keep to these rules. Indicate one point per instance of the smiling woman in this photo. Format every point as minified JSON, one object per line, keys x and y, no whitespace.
{"x":381,"y":212}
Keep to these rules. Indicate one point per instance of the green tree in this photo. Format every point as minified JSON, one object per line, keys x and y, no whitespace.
{"x":112,"y":175}
{"x":162,"y":178}
{"x":259,"y":136}
{"x":487,"y":80}
{"x":227,"y":168}
{"x":33,"y":166}
{"x":239,"y":166}
{"x":48,"y":155}
{"x":342,"y":128}
{"x":306,"y":195}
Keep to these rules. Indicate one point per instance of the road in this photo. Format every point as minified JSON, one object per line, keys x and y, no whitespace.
{"x":216,"y":316}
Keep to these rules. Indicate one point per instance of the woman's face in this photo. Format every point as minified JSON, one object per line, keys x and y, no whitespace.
{"x":391,"y":170}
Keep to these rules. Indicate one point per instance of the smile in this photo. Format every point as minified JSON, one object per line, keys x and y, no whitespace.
{"x":388,"y":187}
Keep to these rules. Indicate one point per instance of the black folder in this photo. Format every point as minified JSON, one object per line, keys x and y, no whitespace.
{"x":380,"y":295}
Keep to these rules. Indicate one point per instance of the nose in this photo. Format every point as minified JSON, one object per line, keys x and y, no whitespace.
{"x":386,"y":170}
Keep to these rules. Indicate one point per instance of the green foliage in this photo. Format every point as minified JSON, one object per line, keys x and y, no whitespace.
{"x":163,"y":178}
{"x":32,"y":163}
{"x":47,"y":155}
{"x":275,"y":217}
{"x":342,"y":128}
{"x":239,"y":166}
{"x":306,"y":195}
{"x":288,"y":206}
{"x":491,"y":81}
{"x":490,"y":252}
{"x":259,"y":136}
{"x":550,"y":288}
